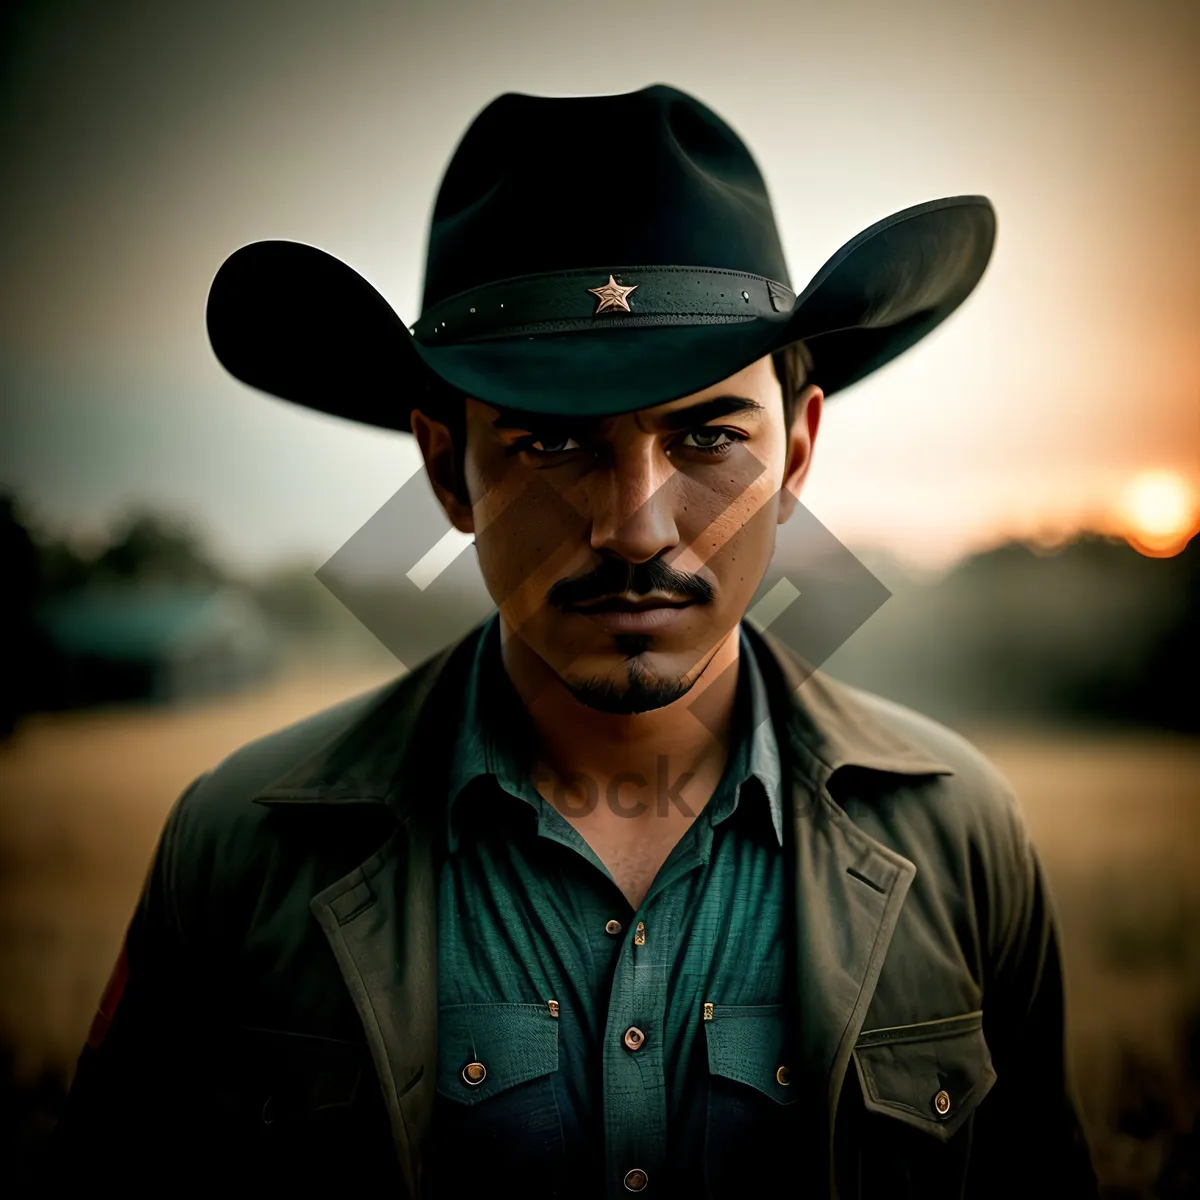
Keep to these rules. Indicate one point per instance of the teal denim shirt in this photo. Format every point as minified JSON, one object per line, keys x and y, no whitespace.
{"x":571,"y":1101}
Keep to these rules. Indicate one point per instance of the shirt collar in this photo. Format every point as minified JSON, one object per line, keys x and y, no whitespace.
{"x":491,"y":735}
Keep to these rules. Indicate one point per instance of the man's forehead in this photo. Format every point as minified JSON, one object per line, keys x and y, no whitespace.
{"x":745,"y":385}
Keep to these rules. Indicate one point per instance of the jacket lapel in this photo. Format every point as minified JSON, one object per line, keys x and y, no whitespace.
{"x":380,"y":919}
{"x":849,"y":892}
{"x":381,"y":923}
{"x":849,"y":887}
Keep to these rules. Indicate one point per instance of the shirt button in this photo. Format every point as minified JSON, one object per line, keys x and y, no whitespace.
{"x":639,"y":934}
{"x":613,"y":927}
{"x":634,"y":1038}
{"x":636,"y":1180}
{"x":941,"y":1102}
{"x":474,"y":1073}
{"x":783,"y":1076}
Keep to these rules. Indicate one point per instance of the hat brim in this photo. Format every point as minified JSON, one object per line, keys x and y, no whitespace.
{"x":297,"y":323}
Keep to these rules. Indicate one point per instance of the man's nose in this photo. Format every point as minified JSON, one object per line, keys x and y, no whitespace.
{"x":633,"y":507}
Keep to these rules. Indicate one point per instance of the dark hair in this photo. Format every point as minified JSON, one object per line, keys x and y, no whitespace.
{"x":793,"y":366}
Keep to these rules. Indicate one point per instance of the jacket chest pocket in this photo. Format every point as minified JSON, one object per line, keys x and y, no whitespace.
{"x":294,"y":1105}
{"x":496,"y":1116}
{"x":267,"y":1078}
{"x":752,"y":1097}
{"x":921,"y":1085}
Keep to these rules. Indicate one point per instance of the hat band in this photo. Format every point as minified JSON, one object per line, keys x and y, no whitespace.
{"x":573,"y":301}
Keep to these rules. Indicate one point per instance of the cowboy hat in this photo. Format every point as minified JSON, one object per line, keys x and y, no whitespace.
{"x":591,"y":256}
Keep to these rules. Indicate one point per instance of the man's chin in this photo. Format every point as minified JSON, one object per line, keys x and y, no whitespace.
{"x":630,"y":687}
{"x":632,"y":660}
{"x":618,"y":699}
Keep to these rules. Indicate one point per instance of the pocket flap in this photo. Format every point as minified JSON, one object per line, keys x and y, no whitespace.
{"x":749,"y":1043}
{"x":929,"y":1075}
{"x":512,"y":1043}
{"x":274,"y":1076}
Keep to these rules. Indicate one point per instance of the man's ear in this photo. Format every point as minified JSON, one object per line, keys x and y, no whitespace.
{"x":802,"y":437}
{"x":441,"y":465}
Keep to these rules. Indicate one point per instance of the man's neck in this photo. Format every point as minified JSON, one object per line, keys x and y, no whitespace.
{"x":669,"y":759}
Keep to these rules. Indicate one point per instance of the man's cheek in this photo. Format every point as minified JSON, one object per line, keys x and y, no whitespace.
{"x":537,"y":540}
{"x":717,"y":506}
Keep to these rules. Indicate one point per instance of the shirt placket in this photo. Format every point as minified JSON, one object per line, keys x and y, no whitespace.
{"x":635,"y":1088}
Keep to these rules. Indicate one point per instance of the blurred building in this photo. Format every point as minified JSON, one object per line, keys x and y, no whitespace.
{"x":151,"y":643}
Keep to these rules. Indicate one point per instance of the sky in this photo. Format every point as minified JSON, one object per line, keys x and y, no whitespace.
{"x":143,"y":143}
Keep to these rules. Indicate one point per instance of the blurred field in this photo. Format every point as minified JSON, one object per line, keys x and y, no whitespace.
{"x":1116,"y":818}
{"x":1115,"y":815}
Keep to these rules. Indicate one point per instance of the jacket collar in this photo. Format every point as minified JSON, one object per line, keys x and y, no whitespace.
{"x":410,"y":724}
{"x":831,"y":725}
{"x":381,"y":740}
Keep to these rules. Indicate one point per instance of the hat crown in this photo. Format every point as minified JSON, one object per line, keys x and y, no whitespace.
{"x":643,"y":178}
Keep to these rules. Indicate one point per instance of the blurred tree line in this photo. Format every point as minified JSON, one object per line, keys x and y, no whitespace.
{"x":145,"y":552}
{"x":145,"y":548}
{"x":1093,"y":631}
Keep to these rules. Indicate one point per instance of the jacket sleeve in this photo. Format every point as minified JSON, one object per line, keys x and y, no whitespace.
{"x":126,"y":1111}
{"x":1029,"y":1138}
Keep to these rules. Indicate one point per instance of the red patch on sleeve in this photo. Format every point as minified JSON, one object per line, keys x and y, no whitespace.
{"x":113,"y":991}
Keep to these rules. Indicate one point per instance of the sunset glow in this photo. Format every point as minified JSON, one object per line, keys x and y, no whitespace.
{"x":332,"y":125}
{"x":1161,"y":512}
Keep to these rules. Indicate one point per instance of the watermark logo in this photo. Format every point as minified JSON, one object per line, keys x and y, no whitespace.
{"x":625,"y":794}
{"x":414,"y":582}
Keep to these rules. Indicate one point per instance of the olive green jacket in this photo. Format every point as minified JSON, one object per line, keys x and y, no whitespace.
{"x":279,"y":1019}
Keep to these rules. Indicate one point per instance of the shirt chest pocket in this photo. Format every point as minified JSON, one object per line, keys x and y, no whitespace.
{"x":921,"y":1085}
{"x":496,"y":1106}
{"x":751,"y":1099}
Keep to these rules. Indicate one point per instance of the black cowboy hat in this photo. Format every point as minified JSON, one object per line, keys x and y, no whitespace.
{"x":591,"y":256}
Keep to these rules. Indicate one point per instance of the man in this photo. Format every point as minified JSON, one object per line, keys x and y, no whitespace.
{"x":613,"y":895}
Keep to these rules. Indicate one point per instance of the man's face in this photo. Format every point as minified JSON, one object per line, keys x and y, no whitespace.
{"x":575,"y":521}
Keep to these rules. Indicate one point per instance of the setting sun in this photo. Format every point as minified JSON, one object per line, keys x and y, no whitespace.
{"x":1160,"y":512}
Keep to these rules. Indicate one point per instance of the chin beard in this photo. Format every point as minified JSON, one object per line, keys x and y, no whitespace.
{"x":641,"y":692}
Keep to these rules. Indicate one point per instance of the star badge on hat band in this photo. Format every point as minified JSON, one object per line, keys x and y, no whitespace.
{"x":612,"y":297}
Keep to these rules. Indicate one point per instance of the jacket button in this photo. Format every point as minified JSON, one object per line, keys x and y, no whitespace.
{"x":474,"y":1073}
{"x":636,"y":1180}
{"x":613,"y":928}
{"x":783,"y":1076}
{"x":941,"y":1102}
{"x":634,"y":1038}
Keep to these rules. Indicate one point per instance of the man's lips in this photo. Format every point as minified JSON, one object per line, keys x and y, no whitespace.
{"x":621,"y":604}
{"x":625,"y":614}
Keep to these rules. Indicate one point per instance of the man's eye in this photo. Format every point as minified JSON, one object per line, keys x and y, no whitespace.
{"x":548,"y":444}
{"x":713,"y":442}
{"x":706,"y":443}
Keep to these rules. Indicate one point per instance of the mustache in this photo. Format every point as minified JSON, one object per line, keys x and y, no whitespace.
{"x":615,"y":576}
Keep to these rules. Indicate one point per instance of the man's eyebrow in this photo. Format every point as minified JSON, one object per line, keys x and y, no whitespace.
{"x":708,"y":410}
{"x":676,"y":419}
{"x":517,"y":418}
